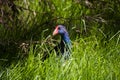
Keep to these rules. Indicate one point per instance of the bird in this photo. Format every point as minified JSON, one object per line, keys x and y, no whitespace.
{"x":64,"y":47}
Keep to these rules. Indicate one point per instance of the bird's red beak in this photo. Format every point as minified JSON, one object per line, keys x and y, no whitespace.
{"x":55,"y":32}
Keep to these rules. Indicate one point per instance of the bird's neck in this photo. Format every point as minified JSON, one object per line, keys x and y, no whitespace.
{"x":65,"y":38}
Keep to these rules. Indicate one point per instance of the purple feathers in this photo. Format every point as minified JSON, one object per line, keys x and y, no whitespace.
{"x":65,"y":45}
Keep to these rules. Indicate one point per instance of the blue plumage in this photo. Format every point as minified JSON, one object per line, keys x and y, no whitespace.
{"x":65,"y":45}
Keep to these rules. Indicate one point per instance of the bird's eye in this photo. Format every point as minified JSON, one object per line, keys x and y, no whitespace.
{"x":58,"y":28}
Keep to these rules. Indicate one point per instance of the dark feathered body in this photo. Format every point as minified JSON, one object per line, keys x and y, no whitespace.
{"x":63,"y":49}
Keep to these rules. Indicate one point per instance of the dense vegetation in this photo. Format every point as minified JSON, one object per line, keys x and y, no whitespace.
{"x":25,"y":34}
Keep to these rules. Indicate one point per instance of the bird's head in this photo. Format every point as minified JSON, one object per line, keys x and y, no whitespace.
{"x":61,"y":30}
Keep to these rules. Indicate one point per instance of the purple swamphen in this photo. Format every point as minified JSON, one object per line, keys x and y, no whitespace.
{"x":64,"y":47}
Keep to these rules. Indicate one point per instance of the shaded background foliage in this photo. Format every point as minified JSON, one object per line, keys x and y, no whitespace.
{"x":24,"y":22}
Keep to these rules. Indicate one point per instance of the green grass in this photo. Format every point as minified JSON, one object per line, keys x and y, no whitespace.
{"x":89,"y":61}
{"x":95,"y":54}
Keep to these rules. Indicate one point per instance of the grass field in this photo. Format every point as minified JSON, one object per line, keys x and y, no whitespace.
{"x":94,"y":31}
{"x":89,"y":61}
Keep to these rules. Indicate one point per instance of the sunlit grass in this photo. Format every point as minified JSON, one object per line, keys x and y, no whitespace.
{"x":89,"y":61}
{"x":93,"y":57}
